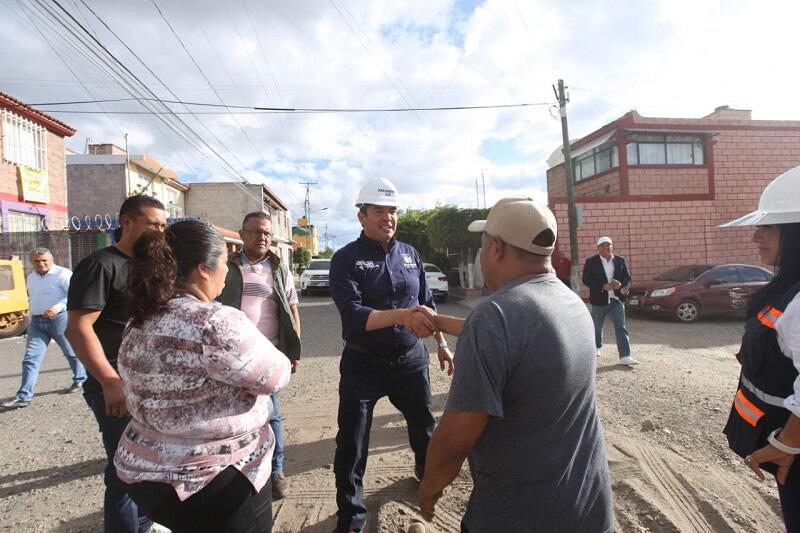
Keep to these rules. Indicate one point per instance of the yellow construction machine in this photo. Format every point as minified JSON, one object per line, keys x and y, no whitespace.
{"x":13,"y":298}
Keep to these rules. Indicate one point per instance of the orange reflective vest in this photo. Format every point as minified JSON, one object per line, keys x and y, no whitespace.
{"x":767,"y":378}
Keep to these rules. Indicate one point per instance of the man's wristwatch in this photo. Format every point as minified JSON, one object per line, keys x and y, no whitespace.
{"x":442,"y":344}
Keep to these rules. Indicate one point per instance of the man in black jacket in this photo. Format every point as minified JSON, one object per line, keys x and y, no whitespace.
{"x":606,"y":274}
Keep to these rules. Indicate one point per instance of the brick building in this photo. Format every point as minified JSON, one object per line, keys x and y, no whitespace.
{"x":659,"y":187}
{"x":33,"y":191}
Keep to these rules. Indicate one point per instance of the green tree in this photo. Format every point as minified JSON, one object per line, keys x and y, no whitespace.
{"x":447,"y":228}
{"x":301,"y":257}
{"x":327,"y":253}
{"x":412,"y":228}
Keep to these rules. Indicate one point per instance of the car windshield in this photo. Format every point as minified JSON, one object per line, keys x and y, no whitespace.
{"x":319,"y":265}
{"x":683,"y":273}
{"x":432,"y":268}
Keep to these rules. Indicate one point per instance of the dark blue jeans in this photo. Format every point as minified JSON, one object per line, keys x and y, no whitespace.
{"x":365,"y":379}
{"x":789,"y":494}
{"x":617,"y":312}
{"x":120,"y":513}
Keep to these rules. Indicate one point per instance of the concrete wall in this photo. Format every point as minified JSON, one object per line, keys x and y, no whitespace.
{"x":95,"y":189}
{"x":226,"y":204}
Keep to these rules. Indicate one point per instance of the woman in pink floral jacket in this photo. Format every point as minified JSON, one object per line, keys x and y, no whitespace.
{"x":197,"y":376}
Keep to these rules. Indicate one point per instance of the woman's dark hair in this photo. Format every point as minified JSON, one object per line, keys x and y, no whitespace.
{"x":162,"y":262}
{"x":787,"y":270}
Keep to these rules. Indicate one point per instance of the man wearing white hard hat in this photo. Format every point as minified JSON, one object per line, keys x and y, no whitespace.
{"x":606,"y":274}
{"x":764,"y":422}
{"x":378,"y":283}
{"x":522,"y":406}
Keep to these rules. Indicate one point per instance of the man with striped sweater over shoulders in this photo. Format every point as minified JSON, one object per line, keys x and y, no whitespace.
{"x":261,"y":286}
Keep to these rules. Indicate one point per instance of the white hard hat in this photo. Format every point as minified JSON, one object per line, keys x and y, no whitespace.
{"x":377,"y":191}
{"x":779,"y":203}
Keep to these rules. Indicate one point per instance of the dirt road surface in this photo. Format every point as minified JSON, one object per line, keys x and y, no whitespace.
{"x":670,"y":466}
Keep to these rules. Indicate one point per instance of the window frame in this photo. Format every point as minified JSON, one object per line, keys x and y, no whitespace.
{"x":577,"y":161}
{"x":697,"y":144}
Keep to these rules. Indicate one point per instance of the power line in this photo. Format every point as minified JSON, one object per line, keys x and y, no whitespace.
{"x":117,"y":71}
{"x":294,"y":109}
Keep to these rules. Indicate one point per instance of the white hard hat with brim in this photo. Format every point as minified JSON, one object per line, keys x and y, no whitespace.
{"x":779,"y":203}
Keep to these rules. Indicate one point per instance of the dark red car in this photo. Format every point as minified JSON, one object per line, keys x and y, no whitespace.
{"x":689,"y":291}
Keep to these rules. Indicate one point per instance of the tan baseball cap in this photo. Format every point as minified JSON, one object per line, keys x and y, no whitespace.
{"x":603,"y":240}
{"x":519,"y":221}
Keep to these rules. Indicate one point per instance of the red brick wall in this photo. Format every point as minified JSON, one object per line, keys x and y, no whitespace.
{"x":667,"y":180}
{"x":11,"y":188}
{"x":604,"y":184}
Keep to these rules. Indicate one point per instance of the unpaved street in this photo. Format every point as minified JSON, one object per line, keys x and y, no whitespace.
{"x":663,"y":419}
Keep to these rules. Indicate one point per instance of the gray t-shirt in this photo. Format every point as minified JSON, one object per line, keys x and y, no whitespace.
{"x":526,"y":356}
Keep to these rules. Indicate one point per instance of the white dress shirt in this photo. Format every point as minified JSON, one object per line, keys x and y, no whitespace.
{"x":608,"y":266}
{"x":787,"y":326}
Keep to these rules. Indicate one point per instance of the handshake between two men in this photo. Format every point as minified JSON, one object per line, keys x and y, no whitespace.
{"x":423,"y":322}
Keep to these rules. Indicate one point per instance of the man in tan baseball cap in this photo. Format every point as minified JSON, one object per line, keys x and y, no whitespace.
{"x":523,"y":391}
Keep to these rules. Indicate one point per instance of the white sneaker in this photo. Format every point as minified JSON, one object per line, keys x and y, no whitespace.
{"x":158,"y":528}
{"x":599,"y":353}
{"x":628,"y":361}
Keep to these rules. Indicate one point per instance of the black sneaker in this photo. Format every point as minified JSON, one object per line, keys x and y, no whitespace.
{"x":16,"y":403}
{"x":76,"y":387}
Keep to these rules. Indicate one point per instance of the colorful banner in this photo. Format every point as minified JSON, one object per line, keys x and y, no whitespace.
{"x":35,"y":187}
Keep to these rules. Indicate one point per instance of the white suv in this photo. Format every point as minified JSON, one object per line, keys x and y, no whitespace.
{"x":315,"y":276}
{"x":437,"y":281}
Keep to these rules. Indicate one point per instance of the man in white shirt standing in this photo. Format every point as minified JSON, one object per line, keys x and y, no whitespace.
{"x":606,"y":274}
{"x":47,"y":285}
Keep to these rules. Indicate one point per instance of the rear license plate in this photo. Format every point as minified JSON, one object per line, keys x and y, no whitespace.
{"x":633,"y":300}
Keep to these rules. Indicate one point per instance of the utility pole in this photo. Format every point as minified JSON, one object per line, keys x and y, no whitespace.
{"x":572,"y":209}
{"x":483,"y":181}
{"x":307,"y":201}
{"x":325,"y":238}
{"x":127,"y":163}
{"x":477,"y":195}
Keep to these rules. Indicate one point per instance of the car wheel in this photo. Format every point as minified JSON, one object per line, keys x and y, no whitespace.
{"x":303,"y":292}
{"x":687,"y":311}
{"x":442,"y":298}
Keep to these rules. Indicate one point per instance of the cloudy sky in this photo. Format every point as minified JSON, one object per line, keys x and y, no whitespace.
{"x":663,"y":58}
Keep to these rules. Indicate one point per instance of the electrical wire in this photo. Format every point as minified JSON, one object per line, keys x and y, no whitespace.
{"x":302,"y":109}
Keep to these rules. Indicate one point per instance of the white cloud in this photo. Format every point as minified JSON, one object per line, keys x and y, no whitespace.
{"x":672,"y":58}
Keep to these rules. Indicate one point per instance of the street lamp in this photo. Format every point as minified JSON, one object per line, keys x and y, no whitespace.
{"x":308,"y":215}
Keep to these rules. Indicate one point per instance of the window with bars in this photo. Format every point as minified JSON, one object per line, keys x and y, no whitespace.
{"x":24,"y":141}
{"x":665,"y":149}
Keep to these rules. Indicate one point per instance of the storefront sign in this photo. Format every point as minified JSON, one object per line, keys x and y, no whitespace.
{"x":35,"y":187}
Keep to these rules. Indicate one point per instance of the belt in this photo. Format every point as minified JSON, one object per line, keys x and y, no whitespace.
{"x":55,"y":315}
{"x":379,"y":353}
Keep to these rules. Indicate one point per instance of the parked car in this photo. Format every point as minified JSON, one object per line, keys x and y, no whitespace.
{"x":437,"y":281}
{"x":315,"y":276}
{"x":689,"y":291}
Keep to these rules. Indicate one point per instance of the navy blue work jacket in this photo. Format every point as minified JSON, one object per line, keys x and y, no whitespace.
{"x":364,"y":277}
